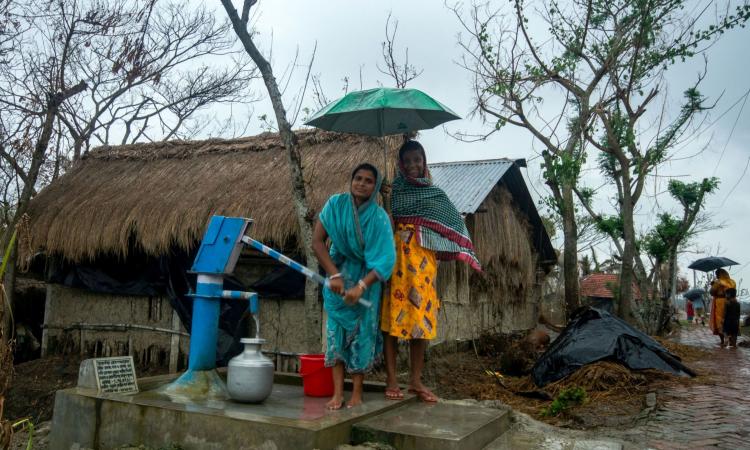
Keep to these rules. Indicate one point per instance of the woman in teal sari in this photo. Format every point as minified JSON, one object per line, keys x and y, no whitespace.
{"x":361,"y":258}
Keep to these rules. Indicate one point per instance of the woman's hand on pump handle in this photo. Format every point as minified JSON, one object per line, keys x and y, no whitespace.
{"x":336,"y":285}
{"x":353,"y":294}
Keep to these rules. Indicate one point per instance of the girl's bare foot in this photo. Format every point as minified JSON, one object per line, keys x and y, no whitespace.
{"x":423,"y":392}
{"x":336,"y":402}
{"x":394,"y":393}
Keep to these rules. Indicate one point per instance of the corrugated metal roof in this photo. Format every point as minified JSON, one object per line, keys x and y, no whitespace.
{"x":467,"y":183}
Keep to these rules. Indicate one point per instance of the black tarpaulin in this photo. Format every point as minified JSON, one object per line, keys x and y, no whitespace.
{"x":594,"y":335}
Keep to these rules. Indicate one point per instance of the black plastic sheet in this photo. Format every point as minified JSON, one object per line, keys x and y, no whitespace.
{"x":594,"y":335}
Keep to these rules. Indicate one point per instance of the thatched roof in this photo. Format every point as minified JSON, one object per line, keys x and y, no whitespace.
{"x":163,"y":194}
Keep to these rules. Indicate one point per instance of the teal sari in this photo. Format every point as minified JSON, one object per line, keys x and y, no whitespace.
{"x":362,"y":241}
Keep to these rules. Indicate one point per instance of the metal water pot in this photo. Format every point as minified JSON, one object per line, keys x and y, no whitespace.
{"x":250,"y":374}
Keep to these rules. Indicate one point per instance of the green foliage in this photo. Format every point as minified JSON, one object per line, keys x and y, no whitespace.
{"x":565,"y":168}
{"x":611,"y":225}
{"x":623,"y":133}
{"x":587,"y":194}
{"x":693,"y":104}
{"x":691,"y":195}
{"x":671,"y":232}
{"x":565,"y":399}
{"x":25,"y":425}
{"x":739,"y":18}
{"x":608,"y":165}
{"x":550,"y":225}
{"x":657,"y":243}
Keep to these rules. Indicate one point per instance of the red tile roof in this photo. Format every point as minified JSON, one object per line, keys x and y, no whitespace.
{"x":598,"y":285}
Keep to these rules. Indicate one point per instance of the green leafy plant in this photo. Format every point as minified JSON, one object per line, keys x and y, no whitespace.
{"x":565,"y":399}
{"x":25,"y":425}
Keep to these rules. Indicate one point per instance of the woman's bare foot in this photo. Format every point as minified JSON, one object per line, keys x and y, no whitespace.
{"x":356,"y":400}
{"x":336,"y":402}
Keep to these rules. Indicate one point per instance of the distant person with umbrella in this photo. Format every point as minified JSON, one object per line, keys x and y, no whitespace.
{"x":718,"y":291}
{"x":696,"y":297}
{"x":689,"y":311}
{"x":428,"y":228}
{"x":700,"y":310}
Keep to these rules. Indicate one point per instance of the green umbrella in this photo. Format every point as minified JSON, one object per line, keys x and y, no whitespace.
{"x":382,"y":112}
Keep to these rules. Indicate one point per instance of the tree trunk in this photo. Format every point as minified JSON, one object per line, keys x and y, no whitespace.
{"x":669,"y":293}
{"x":304,"y":216}
{"x":37,"y":158}
{"x":570,"y":252}
{"x":625,"y":310}
{"x":9,"y":283}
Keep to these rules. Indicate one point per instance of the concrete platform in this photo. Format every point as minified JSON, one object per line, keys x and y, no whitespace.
{"x":441,"y":426}
{"x":286,"y":420}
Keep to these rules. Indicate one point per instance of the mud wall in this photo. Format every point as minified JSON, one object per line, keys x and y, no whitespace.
{"x":467,"y":311}
{"x":91,"y":324}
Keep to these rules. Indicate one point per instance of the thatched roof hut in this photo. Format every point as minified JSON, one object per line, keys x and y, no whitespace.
{"x":158,"y":195}
{"x":120,"y":225}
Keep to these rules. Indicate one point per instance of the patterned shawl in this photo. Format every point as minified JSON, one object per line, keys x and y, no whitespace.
{"x":438,"y":223}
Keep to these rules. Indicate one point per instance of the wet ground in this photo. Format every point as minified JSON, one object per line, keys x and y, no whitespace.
{"x":715,"y":414}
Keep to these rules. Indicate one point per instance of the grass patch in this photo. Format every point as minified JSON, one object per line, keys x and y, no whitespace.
{"x":572,"y":396}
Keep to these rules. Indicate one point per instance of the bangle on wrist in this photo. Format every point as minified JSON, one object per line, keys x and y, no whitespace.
{"x":334,"y":276}
{"x":362,"y":284}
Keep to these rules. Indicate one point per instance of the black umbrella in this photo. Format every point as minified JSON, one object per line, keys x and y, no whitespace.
{"x":711,"y":263}
{"x":694,"y":294}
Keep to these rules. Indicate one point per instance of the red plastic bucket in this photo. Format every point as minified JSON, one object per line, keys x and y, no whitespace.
{"x":317,"y":379}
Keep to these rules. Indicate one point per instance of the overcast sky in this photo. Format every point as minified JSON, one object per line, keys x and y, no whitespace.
{"x":348,"y":34}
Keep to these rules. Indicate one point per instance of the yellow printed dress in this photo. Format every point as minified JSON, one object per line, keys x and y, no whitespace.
{"x":410,"y":302}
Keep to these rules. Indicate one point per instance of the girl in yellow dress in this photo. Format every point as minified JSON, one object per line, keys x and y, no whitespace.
{"x":428,"y":228}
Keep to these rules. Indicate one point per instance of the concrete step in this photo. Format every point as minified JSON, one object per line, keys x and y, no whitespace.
{"x":441,"y":426}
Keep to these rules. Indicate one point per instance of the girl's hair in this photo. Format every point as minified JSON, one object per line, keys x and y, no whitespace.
{"x":365,"y":166}
{"x":720,"y":272}
{"x":731,"y":292}
{"x":410,"y":146}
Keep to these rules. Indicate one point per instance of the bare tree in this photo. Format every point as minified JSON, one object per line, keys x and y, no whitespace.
{"x":401,"y":74}
{"x":88,"y":72}
{"x":148,"y":80}
{"x":28,"y":115}
{"x":305,"y":216}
